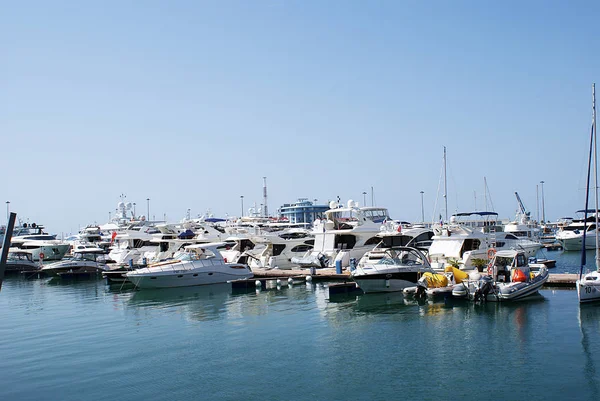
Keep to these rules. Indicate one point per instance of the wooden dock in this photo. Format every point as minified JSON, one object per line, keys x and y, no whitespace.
{"x":556,"y":280}
{"x":565,"y":280}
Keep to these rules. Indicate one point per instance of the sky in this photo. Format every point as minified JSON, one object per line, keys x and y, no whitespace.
{"x":191,"y":103}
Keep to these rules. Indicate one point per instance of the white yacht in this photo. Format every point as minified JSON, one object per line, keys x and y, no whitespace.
{"x":279,"y":248}
{"x":345,"y":233}
{"x":570,"y":235}
{"x":198,"y":265}
{"x":398,"y":268}
{"x":474,"y":239}
{"x":89,"y":261}
{"x":395,"y":233}
{"x":20,"y":261}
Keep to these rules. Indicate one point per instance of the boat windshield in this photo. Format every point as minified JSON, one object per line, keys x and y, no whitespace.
{"x":402,"y":258}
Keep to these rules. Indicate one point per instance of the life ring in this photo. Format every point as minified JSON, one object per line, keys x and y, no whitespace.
{"x":42,"y":255}
{"x":491,"y":253}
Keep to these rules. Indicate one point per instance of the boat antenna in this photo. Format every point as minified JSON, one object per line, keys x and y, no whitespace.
{"x":587,"y":188}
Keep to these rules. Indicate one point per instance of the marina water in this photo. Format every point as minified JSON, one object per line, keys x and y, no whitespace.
{"x":89,"y":341}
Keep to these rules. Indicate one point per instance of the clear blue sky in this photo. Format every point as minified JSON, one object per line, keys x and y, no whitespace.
{"x":191,"y":103}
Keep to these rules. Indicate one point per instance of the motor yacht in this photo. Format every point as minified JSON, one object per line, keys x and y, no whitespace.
{"x":394,"y":233}
{"x":345,"y":233}
{"x":570,"y":234}
{"x":20,"y":261}
{"x":276,"y":249}
{"x":198,"y":265}
{"x":480,"y":238}
{"x":84,"y":261}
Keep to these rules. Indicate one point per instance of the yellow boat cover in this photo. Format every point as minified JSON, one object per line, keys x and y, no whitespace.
{"x":435,"y":280}
{"x":459,"y":275}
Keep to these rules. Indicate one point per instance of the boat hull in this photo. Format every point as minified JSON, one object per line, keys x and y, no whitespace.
{"x":185,"y":279}
{"x":588,"y":288}
{"x":386,"y":282}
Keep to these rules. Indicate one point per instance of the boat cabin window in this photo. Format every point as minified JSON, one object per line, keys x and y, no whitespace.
{"x":163,"y":246}
{"x":470,"y":244}
{"x":503,"y":263}
{"x":246,"y":244}
{"x":376,"y":215}
{"x":344,"y":241}
{"x":373,"y":241}
{"x":310,"y":242}
{"x":277,"y":249}
{"x":301,"y":248}
{"x":138,"y":243}
{"x":521,"y":261}
{"x":510,"y":236}
{"x":403,"y":258}
{"x":591,"y":227}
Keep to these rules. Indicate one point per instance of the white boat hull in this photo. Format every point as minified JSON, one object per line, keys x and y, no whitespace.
{"x":185,"y":279}
{"x":588,"y":288}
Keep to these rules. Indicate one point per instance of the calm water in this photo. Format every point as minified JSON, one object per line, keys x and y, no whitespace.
{"x":87,"y":341}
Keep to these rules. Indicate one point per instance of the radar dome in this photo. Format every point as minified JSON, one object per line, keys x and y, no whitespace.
{"x":333,"y":205}
{"x":351,"y":203}
{"x":120,"y":205}
{"x":128,"y":205}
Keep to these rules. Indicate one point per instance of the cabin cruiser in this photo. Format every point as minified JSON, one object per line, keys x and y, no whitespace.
{"x":198,"y":264}
{"x":276,"y":249}
{"x":474,"y":239}
{"x":90,"y":261}
{"x":400,"y":267}
{"x":20,"y":261}
{"x":570,"y":234}
{"x":394,"y":233}
{"x":509,"y":278}
{"x":345,"y":233}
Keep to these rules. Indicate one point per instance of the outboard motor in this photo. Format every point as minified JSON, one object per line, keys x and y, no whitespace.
{"x":484,"y":288}
{"x":323,"y":260}
{"x":421,"y":287}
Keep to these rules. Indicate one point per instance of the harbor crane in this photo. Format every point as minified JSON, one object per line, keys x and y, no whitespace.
{"x":522,"y":206}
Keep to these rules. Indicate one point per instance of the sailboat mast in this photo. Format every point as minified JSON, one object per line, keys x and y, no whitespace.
{"x":445,"y":186}
{"x":485,"y":194}
{"x":595,"y":172}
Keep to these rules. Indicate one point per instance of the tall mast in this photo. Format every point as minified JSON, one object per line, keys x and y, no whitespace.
{"x":445,"y":186}
{"x":485,"y":194}
{"x":595,"y":171}
{"x":265,"y":210}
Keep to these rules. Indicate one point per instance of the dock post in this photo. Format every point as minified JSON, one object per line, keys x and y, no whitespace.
{"x":338,"y":267}
{"x":6,"y":245}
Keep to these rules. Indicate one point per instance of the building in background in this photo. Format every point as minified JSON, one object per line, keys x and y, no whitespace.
{"x":302,"y":211}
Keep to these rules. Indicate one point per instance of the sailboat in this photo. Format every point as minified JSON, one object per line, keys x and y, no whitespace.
{"x":588,"y":285}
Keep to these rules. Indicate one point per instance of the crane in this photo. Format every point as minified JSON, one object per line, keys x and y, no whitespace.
{"x":522,"y":206}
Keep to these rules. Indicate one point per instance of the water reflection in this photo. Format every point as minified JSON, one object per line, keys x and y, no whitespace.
{"x":589,"y":323}
{"x":195,"y":303}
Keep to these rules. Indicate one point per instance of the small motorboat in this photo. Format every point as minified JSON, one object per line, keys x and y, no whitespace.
{"x":20,"y":261}
{"x":85,"y":262}
{"x":396,"y":269}
{"x":509,"y":278}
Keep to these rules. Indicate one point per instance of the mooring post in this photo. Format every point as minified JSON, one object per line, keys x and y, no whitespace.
{"x":6,"y":245}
